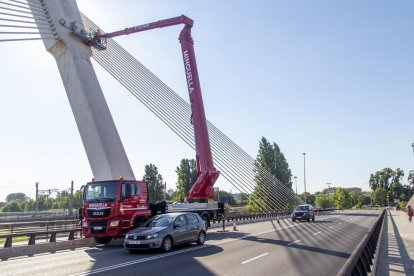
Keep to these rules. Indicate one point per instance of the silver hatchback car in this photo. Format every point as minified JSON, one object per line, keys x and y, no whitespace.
{"x":164,"y":231}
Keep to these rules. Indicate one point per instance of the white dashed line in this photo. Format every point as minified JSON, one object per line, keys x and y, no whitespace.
{"x":252,"y":259}
{"x":317,"y":233}
{"x":294,"y":242}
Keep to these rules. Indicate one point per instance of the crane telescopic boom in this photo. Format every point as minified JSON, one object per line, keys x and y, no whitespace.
{"x":202,"y":189}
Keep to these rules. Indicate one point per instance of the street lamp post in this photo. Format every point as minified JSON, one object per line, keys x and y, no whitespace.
{"x":413,"y":148}
{"x":329,"y":193}
{"x":304,"y":173}
{"x":296,"y":184}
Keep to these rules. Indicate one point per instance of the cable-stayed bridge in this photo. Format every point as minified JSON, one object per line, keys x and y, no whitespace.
{"x":33,"y":19}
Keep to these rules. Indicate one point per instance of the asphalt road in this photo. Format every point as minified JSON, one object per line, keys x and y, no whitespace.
{"x":263,"y":248}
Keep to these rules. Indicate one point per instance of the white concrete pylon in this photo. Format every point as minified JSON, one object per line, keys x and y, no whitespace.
{"x":99,"y":135}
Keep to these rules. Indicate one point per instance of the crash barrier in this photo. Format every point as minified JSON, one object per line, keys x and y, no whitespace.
{"x":23,"y":232}
{"x":33,"y":235}
{"x":262,"y":215}
{"x":361,"y":260}
{"x":50,"y":230}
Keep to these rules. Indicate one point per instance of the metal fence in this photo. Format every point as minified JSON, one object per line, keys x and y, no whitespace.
{"x":361,"y":260}
{"x":26,"y":216}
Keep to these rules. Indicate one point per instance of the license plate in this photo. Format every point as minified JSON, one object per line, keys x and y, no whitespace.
{"x":97,"y":228}
{"x":134,"y":242}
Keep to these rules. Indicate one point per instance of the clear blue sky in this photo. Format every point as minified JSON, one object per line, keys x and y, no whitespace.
{"x":334,"y":79}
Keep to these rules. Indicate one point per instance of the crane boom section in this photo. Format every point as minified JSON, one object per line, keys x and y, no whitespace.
{"x":202,"y":189}
{"x":149,"y":26}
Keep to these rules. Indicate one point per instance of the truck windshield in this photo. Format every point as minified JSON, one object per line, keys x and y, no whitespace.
{"x":101,"y":192}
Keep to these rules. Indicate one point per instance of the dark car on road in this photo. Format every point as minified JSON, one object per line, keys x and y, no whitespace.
{"x":303,"y":212}
{"x":166,"y":230}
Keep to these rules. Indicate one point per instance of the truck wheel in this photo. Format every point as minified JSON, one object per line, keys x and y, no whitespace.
{"x":206,"y":220}
{"x":103,"y":240}
{"x":166,"y":244}
{"x":138,"y":223}
{"x":201,"y":238}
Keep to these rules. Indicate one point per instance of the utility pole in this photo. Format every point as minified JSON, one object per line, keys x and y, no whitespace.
{"x":71,"y":199}
{"x":37,"y":197}
{"x":296,"y":184}
{"x":304,"y":173}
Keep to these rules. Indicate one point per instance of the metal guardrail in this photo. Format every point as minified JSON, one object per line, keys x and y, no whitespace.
{"x":361,"y":259}
{"x":50,"y":229}
{"x":33,"y":230}
{"x":33,"y":235}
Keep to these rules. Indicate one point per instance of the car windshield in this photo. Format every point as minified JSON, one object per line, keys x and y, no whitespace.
{"x":160,"y":221}
{"x":302,"y":208}
{"x":100,"y":192}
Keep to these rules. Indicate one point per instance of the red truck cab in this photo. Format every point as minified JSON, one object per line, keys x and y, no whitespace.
{"x":112,"y":208}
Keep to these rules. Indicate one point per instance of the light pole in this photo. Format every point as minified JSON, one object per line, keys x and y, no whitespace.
{"x":413,"y":148}
{"x":304,"y":173}
{"x":329,"y":193}
{"x":296,"y":184}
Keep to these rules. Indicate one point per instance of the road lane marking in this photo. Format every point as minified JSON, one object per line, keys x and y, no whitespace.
{"x":252,"y":259}
{"x":112,"y":267}
{"x":331,"y":226}
{"x":317,"y":233}
{"x":116,"y":266}
{"x":293,"y":242}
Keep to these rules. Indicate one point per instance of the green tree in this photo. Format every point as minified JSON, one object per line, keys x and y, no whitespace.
{"x":322,"y":200}
{"x":410,"y":179}
{"x":16,"y":196}
{"x":310,"y":198}
{"x":156,"y":186}
{"x":396,"y":186}
{"x":379,"y":197}
{"x":272,"y":160}
{"x":28,"y":205}
{"x":77,"y":199}
{"x":342,"y":199}
{"x":364,"y":199}
{"x":13,"y":206}
{"x":186,"y":176}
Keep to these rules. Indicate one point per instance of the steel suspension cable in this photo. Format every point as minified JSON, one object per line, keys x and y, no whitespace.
{"x":190,"y":142}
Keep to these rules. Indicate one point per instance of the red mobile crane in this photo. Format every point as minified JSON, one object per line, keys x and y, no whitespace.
{"x":127,"y":205}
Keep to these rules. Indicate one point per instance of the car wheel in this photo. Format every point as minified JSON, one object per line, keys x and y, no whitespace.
{"x":293,"y":220}
{"x":201,"y":238}
{"x":103,"y":240}
{"x":308,"y":219}
{"x":313,"y":218}
{"x":167,"y":243}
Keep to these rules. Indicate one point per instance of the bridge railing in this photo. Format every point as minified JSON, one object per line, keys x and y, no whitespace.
{"x":22,"y":232}
{"x":29,"y":232}
{"x":361,"y":260}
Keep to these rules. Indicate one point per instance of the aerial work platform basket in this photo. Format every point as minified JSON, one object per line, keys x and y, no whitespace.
{"x":91,"y":38}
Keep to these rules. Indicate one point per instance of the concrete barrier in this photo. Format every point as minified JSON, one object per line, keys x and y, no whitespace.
{"x":30,"y":250}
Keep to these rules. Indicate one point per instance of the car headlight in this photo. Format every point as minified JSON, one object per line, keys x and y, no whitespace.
{"x":152,"y":236}
{"x":114,"y":223}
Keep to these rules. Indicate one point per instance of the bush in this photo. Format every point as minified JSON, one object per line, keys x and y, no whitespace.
{"x":403,"y":204}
